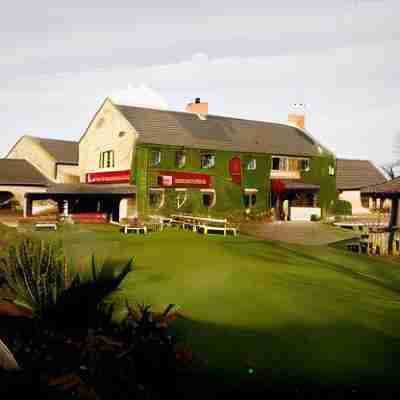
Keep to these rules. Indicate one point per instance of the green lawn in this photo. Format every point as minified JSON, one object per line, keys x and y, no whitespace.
{"x":290,"y":312}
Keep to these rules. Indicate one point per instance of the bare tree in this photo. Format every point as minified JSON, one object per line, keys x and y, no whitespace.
{"x":391,"y":169}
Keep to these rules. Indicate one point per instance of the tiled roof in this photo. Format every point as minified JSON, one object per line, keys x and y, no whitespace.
{"x":63,"y":151}
{"x":21,"y":173}
{"x":356,"y":174}
{"x":216,"y":132}
{"x":386,"y":188}
{"x":84,"y":188}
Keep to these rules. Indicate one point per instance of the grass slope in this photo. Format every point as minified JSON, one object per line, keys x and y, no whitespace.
{"x":290,"y":312}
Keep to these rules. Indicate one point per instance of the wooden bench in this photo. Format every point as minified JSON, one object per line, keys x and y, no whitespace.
{"x":46,"y":226}
{"x":40,"y":222}
{"x":135,"y":229}
{"x":207,"y":225}
{"x":204,"y":225}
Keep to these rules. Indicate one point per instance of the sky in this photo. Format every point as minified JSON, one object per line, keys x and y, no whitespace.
{"x":253,"y":59}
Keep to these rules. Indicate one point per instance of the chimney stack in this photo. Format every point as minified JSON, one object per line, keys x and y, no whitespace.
{"x":198,"y":107}
{"x":296,"y":115}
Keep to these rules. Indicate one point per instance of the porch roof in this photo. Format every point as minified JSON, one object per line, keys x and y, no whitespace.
{"x":387,"y":189}
{"x":89,"y":189}
{"x":295,"y":184}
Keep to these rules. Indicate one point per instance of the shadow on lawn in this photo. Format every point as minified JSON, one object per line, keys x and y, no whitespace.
{"x":298,"y":359}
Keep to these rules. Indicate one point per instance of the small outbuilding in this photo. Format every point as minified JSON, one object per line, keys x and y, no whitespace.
{"x":353,"y":175}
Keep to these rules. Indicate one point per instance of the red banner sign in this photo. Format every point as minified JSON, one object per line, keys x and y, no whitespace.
{"x":109,"y":177}
{"x":235,"y":169}
{"x":183,"y":179}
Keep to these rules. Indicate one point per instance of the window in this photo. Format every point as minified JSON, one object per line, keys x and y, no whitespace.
{"x":207,"y":160}
{"x":180,"y":159}
{"x":121,"y":134}
{"x":331,"y":170}
{"x":275,"y":163}
{"x":208,"y":197}
{"x":305,"y":164}
{"x":181,"y":197}
{"x":290,"y":164}
{"x":155,"y":157}
{"x":156,"y":198}
{"x":250,"y":198}
{"x":107,"y":159}
{"x":252,"y":164}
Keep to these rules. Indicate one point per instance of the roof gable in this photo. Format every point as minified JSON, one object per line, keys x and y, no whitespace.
{"x":63,"y":151}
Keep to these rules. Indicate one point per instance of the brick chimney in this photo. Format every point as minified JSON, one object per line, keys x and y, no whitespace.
{"x":198,"y":107}
{"x":296,"y":115}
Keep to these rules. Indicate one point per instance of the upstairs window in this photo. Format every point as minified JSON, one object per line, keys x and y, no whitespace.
{"x":207,"y":160}
{"x":107,"y":159}
{"x":252,"y":164}
{"x":155,"y":158}
{"x":180,"y":159}
{"x":290,"y":164}
{"x":305,"y":164}
{"x":331,"y":170}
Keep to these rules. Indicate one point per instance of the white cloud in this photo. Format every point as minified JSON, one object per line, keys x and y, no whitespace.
{"x":141,"y":95}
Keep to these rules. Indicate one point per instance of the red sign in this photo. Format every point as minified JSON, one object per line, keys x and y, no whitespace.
{"x":183,"y":179}
{"x":235,"y":169}
{"x":109,"y":177}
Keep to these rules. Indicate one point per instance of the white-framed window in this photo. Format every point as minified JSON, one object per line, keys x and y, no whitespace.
{"x":251,"y":164}
{"x":180,"y":159}
{"x":107,"y":159}
{"x":331,"y":170}
{"x":156,"y":198}
{"x":181,"y":197}
{"x":208,"y":197}
{"x":207,"y":160}
{"x":155,"y":158}
{"x":250,"y":198}
{"x":290,"y":164}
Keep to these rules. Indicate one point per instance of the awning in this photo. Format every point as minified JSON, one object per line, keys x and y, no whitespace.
{"x":89,"y":189}
{"x":295,"y":184}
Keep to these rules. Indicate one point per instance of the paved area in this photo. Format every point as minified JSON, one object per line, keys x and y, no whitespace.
{"x":308,"y":233}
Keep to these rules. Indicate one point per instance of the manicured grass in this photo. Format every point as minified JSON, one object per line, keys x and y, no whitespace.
{"x":291,"y":313}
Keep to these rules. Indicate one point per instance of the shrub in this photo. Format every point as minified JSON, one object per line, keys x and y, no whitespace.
{"x":315,"y":218}
{"x":40,"y":280}
{"x":343,"y":207}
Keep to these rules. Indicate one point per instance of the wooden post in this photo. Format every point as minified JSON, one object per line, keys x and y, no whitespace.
{"x":392,"y":223}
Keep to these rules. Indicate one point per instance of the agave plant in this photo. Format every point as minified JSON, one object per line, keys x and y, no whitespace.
{"x":40,"y":280}
{"x":81,"y":304}
{"x":36,"y":273}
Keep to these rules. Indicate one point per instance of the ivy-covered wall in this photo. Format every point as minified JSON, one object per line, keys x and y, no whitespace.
{"x":229,"y":195}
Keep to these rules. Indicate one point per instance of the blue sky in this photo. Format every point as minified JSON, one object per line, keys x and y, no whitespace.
{"x":248,"y":59}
